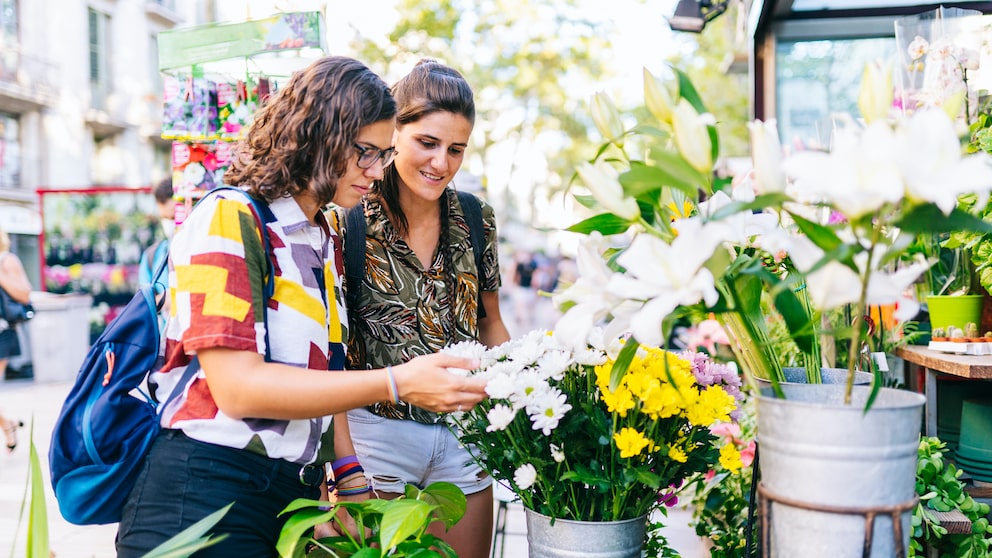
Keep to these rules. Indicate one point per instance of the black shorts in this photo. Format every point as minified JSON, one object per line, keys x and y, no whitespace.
{"x":9,"y":345}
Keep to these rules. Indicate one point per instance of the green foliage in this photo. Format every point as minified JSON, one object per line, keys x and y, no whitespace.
{"x":391,"y":527}
{"x":38,"y":540}
{"x":940,"y":489}
{"x":978,"y":244}
{"x":192,"y":539}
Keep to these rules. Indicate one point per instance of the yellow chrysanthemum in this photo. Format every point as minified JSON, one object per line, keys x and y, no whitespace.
{"x":713,"y":404}
{"x":663,"y":402}
{"x":676,"y":454}
{"x":630,"y":442}
{"x":619,"y":401}
{"x":730,"y":458}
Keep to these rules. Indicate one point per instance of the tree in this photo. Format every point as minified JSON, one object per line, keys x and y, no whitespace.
{"x":523,"y":58}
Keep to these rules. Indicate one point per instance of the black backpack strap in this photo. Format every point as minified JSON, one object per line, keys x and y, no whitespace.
{"x":354,"y":253}
{"x":476,"y":234}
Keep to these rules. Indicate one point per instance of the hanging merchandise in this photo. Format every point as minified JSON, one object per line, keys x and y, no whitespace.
{"x":215,"y":77}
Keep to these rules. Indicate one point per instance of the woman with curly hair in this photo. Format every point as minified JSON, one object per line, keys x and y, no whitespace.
{"x":252,"y":425}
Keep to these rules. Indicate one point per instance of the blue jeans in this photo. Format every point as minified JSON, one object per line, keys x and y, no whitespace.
{"x":184,"y":480}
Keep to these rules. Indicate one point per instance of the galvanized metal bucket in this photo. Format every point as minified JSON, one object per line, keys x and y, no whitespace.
{"x":826,"y":467}
{"x":584,"y":539}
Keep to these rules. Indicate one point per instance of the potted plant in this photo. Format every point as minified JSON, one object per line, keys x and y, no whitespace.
{"x":844,"y":218}
{"x":395,"y":527}
{"x":589,"y":452}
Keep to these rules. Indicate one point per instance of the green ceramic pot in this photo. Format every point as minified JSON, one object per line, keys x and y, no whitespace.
{"x":954,"y":310}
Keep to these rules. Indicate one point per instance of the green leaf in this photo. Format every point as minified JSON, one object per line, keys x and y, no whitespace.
{"x":623,"y":361}
{"x":605,"y":223}
{"x":449,"y":500}
{"x":38,"y":541}
{"x":403,"y":519}
{"x":297,"y":525}
{"x":193,"y":538}
{"x":675,"y":172}
{"x":929,"y":218}
{"x":822,"y":236}
{"x":759,"y":202}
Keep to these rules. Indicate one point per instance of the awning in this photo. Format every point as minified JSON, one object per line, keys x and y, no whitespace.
{"x":18,"y":219}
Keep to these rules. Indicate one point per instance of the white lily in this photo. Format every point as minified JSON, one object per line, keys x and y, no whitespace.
{"x":833,"y":286}
{"x":766,"y":155}
{"x":591,"y":300}
{"x":692,"y":136}
{"x":604,"y":185}
{"x":858,"y":177}
{"x":930,"y":157}
{"x":875,"y":96}
{"x":606,"y":117}
{"x":657,"y":98}
{"x":665,"y":276}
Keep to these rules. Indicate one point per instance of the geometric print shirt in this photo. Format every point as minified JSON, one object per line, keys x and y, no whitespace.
{"x":404,"y":309}
{"x":216,"y":278}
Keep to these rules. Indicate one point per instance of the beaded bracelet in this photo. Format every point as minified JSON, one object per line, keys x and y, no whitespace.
{"x":354,"y":491}
{"x":346,"y":466}
{"x":394,"y":393}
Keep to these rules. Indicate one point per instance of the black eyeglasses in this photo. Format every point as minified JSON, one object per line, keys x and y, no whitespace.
{"x":367,"y":156}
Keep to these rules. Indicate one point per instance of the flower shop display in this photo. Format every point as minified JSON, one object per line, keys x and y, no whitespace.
{"x":812,"y":232}
{"x":575,"y":445}
{"x":215,"y":76}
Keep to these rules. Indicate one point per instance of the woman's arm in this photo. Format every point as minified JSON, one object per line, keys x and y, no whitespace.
{"x":14,"y":279}
{"x":244,"y":385}
{"x":492,"y":330}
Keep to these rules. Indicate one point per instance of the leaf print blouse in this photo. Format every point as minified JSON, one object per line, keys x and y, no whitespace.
{"x":404,"y":310}
{"x":216,"y":277}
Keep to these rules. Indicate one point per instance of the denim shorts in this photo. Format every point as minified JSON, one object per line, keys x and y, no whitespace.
{"x":184,"y":480}
{"x":397,"y":452}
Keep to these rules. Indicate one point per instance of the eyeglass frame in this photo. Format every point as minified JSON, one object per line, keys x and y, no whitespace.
{"x":386,"y":155}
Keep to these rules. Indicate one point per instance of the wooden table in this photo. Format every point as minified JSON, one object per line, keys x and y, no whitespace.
{"x":936,"y":363}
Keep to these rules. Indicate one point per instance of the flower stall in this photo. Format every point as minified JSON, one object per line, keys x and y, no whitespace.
{"x":215,"y":76}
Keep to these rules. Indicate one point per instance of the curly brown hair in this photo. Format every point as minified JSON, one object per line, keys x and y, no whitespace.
{"x":303,"y":137}
{"x":429,"y":87}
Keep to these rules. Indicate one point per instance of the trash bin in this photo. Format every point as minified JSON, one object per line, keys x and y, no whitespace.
{"x":60,"y":335}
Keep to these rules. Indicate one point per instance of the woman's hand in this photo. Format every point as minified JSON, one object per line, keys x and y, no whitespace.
{"x":426,"y":383}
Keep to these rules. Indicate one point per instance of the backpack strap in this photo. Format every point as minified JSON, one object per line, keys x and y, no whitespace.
{"x":354,"y":245}
{"x":476,"y":234}
{"x":354,"y":253}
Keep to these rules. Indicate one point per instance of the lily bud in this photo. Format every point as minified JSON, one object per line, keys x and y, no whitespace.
{"x":657,"y":98}
{"x":692,"y":137}
{"x":766,"y":155}
{"x":605,"y":187}
{"x":876,"y":94}
{"x":607,"y":118}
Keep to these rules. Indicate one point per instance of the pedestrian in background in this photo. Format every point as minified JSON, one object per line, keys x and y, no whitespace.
{"x":14,"y":280}
{"x":153,"y":256}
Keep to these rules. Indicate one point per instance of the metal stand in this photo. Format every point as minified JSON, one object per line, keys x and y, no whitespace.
{"x":895,"y":511}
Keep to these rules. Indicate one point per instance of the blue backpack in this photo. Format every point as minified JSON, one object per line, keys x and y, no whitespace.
{"x":107,"y":424}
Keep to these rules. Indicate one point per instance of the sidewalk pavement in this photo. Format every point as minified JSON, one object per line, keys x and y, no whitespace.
{"x":39,"y":403}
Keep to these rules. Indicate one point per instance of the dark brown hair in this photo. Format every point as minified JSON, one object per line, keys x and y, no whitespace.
{"x":163,"y":191}
{"x":430,"y":87}
{"x":302,"y":138}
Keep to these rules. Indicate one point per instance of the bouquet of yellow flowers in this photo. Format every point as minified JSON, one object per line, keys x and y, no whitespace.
{"x":578,"y":437}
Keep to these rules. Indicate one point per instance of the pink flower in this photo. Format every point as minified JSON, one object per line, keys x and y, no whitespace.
{"x":707,"y":334}
{"x":730,"y":431}
{"x":747,"y":454}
